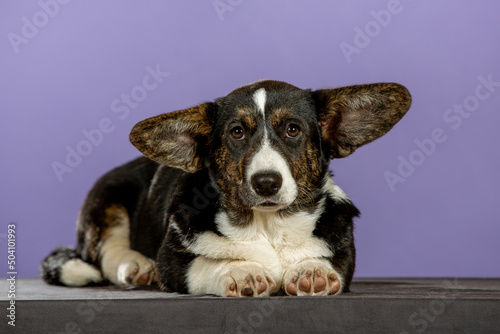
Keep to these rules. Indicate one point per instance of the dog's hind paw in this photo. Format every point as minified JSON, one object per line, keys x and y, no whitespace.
{"x":129,"y":268}
{"x":248,"y":280}
{"x":311,"y":277}
{"x":136,"y":272}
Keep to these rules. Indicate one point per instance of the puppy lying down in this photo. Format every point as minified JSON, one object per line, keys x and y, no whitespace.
{"x":234,"y":197}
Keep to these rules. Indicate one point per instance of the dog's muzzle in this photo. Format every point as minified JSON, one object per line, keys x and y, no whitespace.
{"x":267,"y":185}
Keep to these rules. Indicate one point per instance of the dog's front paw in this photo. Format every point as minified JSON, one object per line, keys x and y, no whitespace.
{"x":129,"y":267}
{"x":313,"y":277}
{"x":247,"y":280}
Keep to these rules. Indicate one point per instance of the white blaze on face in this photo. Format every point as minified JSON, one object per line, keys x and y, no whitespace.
{"x":267,"y":159}
{"x":259,"y":98}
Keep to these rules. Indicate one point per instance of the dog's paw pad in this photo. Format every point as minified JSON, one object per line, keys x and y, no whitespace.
{"x":319,"y":282}
{"x":305,"y":282}
{"x":263,"y":284}
{"x":252,"y":281}
{"x":145,"y":278}
{"x":291,"y":287}
{"x":333,"y":283}
{"x":310,"y":278}
{"x":231,"y":290}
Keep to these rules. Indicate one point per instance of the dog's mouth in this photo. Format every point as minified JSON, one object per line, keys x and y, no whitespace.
{"x":268,"y":206}
{"x":260,"y":203}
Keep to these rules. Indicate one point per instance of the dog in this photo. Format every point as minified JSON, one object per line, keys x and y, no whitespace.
{"x":233,"y":197}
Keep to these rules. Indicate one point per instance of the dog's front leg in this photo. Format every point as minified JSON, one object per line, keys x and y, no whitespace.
{"x":209,"y":263}
{"x":229,"y":278}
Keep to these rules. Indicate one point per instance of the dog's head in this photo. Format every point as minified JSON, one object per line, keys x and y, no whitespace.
{"x":268,"y":144}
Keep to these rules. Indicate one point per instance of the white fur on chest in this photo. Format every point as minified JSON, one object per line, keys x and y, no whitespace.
{"x":269,"y":239}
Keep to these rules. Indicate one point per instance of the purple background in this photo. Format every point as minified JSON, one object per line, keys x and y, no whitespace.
{"x":443,"y":220}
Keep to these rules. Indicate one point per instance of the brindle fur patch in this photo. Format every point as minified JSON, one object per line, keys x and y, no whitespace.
{"x":248,"y":117}
{"x":278,"y":116}
{"x":230,"y":178}
{"x":356,"y":115}
{"x":230,"y":172}
{"x":178,"y":139}
{"x":91,"y":236}
{"x":307,"y":174}
{"x":114,"y":216}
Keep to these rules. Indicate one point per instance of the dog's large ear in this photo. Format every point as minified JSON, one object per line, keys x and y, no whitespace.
{"x":177,"y":139}
{"x":356,"y":115}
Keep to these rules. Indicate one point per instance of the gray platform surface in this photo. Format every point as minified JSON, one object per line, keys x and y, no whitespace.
{"x":373,"y":306}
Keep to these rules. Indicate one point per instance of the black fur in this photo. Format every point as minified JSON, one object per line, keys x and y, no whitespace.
{"x":336,"y":226}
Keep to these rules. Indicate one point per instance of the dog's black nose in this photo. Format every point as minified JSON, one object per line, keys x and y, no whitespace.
{"x":266,"y":184}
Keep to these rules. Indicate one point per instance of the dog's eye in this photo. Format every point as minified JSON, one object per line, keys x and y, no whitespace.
{"x":238,"y":133}
{"x":293,"y":131}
